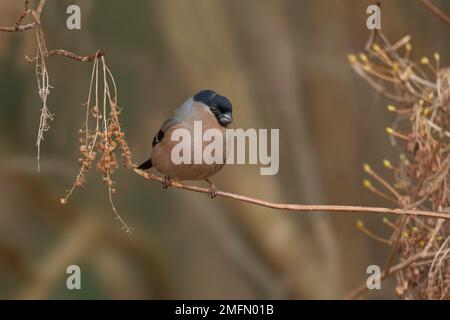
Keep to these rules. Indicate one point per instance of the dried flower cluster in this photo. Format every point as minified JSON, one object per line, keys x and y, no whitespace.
{"x":106,"y":137}
{"x":420,"y":97}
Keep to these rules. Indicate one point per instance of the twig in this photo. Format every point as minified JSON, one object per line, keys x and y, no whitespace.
{"x":394,"y":249}
{"x":18,"y":28}
{"x":435,"y":10}
{"x":25,"y":13}
{"x":383,"y":182}
{"x":39,"y":9}
{"x":360,"y":225}
{"x":299,"y":207}
{"x":36,"y":24}
{"x":398,"y":267}
{"x":70,"y":55}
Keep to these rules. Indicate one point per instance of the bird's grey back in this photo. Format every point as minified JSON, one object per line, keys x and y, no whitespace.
{"x":184,"y":111}
{"x":181,"y":114}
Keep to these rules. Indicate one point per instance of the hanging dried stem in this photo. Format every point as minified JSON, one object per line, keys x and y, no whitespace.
{"x":44,"y":91}
{"x":422,"y":91}
{"x":105,"y":139}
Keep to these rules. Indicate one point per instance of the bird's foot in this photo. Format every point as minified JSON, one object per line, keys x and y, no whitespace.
{"x":212,"y":191}
{"x":167,"y":182}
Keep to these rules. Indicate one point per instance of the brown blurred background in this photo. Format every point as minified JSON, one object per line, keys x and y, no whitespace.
{"x":283,"y":65}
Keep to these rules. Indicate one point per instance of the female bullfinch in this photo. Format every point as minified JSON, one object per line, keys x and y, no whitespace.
{"x":214,"y":111}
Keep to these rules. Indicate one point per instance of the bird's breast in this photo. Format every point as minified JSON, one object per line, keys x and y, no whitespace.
{"x":170,"y":147}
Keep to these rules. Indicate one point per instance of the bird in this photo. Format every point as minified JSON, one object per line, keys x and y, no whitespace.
{"x":214,"y":111}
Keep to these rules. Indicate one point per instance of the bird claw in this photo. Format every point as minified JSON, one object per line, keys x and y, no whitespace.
{"x":166,"y":182}
{"x":212,"y":191}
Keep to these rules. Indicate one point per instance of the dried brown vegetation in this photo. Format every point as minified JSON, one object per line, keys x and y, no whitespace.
{"x":102,"y":135}
{"x":420,"y":93}
{"x":106,"y":137}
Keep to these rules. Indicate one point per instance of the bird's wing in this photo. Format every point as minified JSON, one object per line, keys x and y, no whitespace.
{"x":166,"y":126}
{"x":181,"y":114}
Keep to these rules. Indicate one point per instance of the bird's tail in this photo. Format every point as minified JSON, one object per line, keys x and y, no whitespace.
{"x":146,"y":165}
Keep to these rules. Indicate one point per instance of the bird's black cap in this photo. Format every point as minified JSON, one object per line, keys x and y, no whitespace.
{"x":213,"y":99}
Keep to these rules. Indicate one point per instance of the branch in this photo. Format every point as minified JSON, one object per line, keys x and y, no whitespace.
{"x":39,"y":8}
{"x":357,"y":292}
{"x":18,"y":28}
{"x":36,"y":24}
{"x":435,"y":10}
{"x":298,"y":207}
{"x":70,"y":55}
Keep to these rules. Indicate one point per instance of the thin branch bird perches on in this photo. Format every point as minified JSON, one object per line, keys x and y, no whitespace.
{"x":298,"y":207}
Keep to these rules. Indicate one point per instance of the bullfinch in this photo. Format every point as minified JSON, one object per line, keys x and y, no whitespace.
{"x":214,"y":111}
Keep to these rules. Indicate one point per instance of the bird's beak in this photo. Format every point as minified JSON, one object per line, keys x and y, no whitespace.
{"x":225,"y":119}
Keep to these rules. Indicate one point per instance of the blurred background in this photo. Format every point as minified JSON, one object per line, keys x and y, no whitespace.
{"x":283,"y":65}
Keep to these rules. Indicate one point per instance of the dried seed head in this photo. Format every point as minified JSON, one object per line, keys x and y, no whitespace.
{"x":424,"y":60}
{"x":437,"y":56}
{"x":391,"y":108}
{"x":359,"y":224}
{"x":367,"y":168}
{"x":367,"y":184}
{"x":363,"y":58}
{"x":352,"y":58}
{"x":387,"y":164}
